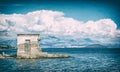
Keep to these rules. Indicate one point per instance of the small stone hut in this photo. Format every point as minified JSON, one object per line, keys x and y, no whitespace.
{"x":28,"y":45}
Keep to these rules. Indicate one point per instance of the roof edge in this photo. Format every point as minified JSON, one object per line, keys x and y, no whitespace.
{"x":27,"y":34}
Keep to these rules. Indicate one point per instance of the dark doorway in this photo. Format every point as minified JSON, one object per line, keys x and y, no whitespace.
{"x":27,"y":46}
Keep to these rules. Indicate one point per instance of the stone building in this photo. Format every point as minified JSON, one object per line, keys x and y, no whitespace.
{"x":28,"y":45}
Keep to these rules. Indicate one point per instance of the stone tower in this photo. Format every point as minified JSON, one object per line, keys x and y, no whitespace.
{"x":28,"y":45}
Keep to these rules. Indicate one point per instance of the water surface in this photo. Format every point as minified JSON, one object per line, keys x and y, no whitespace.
{"x":82,"y":60}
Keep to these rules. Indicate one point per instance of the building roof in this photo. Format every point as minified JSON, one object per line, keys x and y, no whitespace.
{"x":27,"y":34}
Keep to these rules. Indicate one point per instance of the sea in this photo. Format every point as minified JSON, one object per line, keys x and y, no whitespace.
{"x":81,"y":60}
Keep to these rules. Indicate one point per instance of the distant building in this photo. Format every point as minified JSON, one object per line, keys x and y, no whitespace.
{"x":28,"y":45}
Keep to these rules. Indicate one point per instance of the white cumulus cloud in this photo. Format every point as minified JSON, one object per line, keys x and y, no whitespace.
{"x":56,"y":24}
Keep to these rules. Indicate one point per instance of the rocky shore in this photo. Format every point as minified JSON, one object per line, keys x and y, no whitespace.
{"x":7,"y":56}
{"x":43,"y":55}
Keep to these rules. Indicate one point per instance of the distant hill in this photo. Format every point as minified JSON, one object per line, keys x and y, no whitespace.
{"x":7,"y":44}
{"x":4,"y":46}
{"x":95,"y":46}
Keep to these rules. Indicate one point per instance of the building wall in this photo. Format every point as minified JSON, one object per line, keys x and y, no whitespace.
{"x":28,"y":45}
{"x":21,"y":37}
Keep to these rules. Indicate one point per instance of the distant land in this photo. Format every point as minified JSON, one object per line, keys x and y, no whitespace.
{"x":95,"y":46}
{"x":7,"y":44}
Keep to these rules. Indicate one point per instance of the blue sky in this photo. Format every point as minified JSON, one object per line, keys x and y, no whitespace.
{"x":79,"y":9}
{"x":63,"y":23}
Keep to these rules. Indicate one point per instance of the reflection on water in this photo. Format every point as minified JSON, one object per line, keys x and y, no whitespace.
{"x":79,"y":62}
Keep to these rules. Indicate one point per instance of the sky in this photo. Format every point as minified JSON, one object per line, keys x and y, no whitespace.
{"x":62,"y":23}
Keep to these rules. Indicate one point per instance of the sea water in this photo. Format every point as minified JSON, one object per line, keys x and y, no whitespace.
{"x":81,"y":60}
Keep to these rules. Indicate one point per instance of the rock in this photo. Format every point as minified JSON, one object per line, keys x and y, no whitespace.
{"x":44,"y":55}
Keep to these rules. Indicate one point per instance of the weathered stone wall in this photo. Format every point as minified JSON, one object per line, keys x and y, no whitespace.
{"x":28,"y":45}
{"x":21,"y":37}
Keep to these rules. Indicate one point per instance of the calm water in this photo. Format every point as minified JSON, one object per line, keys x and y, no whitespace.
{"x":82,"y":60}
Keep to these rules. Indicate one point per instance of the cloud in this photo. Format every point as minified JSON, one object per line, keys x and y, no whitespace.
{"x":54,"y":23}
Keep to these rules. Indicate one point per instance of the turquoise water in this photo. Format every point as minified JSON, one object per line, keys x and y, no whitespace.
{"x":82,"y":60}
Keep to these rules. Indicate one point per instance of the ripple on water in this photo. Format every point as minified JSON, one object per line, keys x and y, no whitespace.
{"x":91,"y":62}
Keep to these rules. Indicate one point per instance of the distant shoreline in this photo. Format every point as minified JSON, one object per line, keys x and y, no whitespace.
{"x":64,"y":48}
